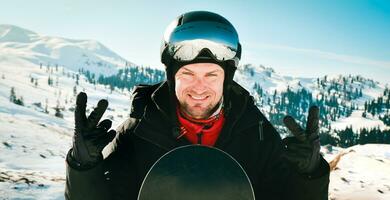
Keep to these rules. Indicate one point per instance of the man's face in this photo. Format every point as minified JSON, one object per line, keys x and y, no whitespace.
{"x":199,"y":88}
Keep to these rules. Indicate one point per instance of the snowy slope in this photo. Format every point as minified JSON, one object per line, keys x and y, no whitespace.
{"x":358,"y":122}
{"x":33,"y":149}
{"x":266,"y":77}
{"x":16,"y":42}
{"x":363,"y":173}
{"x":33,"y":144}
{"x":248,"y":75}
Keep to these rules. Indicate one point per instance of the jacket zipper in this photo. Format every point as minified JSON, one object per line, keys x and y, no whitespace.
{"x":261,"y":134}
{"x":260,"y":124}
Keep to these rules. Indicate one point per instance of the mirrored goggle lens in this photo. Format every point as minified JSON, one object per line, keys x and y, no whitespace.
{"x":189,"y":50}
{"x":187,"y":41}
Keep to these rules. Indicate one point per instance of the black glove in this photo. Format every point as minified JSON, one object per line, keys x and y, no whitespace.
{"x":303,"y":149}
{"x":89,"y":137}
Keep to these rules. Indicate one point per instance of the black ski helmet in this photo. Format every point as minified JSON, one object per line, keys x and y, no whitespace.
{"x":200,"y":36}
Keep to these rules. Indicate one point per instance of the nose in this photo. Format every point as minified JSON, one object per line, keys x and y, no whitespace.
{"x":200,"y":85}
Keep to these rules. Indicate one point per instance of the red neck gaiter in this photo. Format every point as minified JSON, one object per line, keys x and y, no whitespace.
{"x":200,"y":131}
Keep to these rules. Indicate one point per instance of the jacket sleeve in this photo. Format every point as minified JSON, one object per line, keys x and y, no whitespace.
{"x":93,"y":183}
{"x":281,"y":182}
{"x":85,"y":184}
{"x":314,"y":186}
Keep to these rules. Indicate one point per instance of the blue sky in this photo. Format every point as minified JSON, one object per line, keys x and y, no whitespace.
{"x":298,"y":38}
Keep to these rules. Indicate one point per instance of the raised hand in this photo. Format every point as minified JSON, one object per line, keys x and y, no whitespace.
{"x":303,"y":149}
{"x":90,"y":137}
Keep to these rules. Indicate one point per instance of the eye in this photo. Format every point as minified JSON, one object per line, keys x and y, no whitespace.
{"x":211,"y":75}
{"x":187,"y":73}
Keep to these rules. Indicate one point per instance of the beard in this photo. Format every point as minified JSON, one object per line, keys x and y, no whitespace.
{"x":198,"y":112}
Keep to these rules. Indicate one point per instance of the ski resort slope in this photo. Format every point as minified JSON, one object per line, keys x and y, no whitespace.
{"x":33,"y":144}
{"x":33,"y":148}
{"x":363,"y":173}
{"x":358,"y":122}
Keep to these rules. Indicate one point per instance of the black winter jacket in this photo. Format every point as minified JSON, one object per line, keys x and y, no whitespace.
{"x":149,"y":133}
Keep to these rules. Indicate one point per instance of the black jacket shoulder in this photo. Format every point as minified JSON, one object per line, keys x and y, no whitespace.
{"x":140,"y":97}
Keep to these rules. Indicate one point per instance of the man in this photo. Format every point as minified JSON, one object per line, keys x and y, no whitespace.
{"x":199,"y":103}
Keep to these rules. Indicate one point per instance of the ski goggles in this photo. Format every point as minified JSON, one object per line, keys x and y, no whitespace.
{"x":185,"y":43}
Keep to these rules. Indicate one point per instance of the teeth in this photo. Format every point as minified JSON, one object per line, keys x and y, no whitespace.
{"x":198,"y":98}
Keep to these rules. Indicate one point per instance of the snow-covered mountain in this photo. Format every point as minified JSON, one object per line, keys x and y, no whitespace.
{"x":347,"y":91}
{"x":35,"y":136}
{"x":248,"y":75}
{"x":16,"y":42}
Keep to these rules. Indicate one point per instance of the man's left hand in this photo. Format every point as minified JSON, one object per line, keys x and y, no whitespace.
{"x":303,"y":149}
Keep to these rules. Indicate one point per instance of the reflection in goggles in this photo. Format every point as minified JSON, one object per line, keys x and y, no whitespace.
{"x":189,"y":50}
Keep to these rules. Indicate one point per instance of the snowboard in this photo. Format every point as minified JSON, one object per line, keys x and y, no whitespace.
{"x":196,"y":172}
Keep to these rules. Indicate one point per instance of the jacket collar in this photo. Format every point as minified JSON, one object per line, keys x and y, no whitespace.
{"x":159,"y":124}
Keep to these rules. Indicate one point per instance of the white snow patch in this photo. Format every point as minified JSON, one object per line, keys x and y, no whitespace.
{"x":358,"y":122}
{"x":361,"y":174}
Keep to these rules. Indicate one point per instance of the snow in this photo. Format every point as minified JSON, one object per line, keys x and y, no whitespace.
{"x":33,"y":147}
{"x":363,"y":173}
{"x":74,"y":54}
{"x":270,"y":81}
{"x":358,"y":122}
{"x":33,"y":144}
{"x":9,"y":33}
{"x":265,"y":77}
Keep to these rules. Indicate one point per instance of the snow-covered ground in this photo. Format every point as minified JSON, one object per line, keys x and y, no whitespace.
{"x":363,"y":173}
{"x":358,"y":122}
{"x":33,"y":144}
{"x":33,"y":147}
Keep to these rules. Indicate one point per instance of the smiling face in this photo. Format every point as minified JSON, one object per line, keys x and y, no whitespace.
{"x":199,"y":88}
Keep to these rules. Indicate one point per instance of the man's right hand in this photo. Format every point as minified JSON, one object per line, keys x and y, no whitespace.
{"x":90,"y":137}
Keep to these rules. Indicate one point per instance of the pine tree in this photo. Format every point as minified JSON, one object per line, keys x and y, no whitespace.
{"x":77,"y":79}
{"x":74,"y":90}
{"x":363,"y":136}
{"x":14,"y":99}
{"x":365,"y":106}
{"x":111,"y":88}
{"x":19,"y":101}
{"x":50,"y":81}
{"x":58,"y":110}
{"x":364,"y":114}
{"x":12,"y":96}
{"x":46,"y":105}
